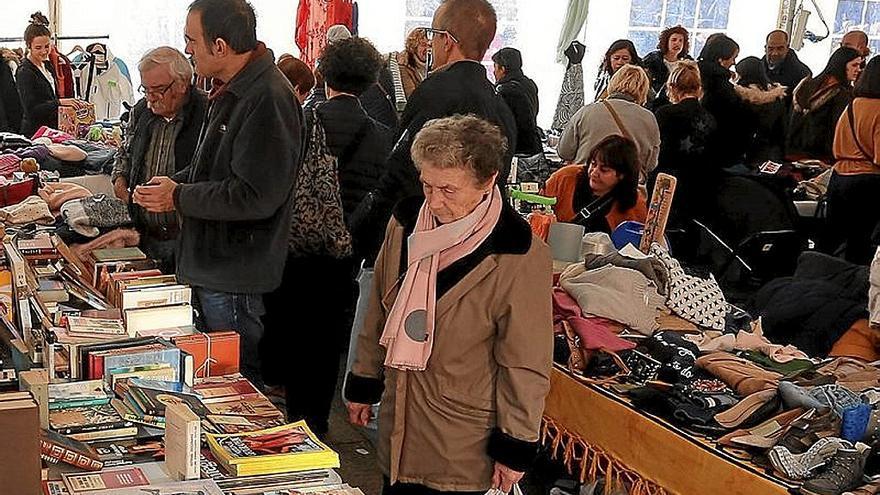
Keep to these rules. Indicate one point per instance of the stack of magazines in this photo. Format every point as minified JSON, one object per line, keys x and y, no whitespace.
{"x":292,"y":447}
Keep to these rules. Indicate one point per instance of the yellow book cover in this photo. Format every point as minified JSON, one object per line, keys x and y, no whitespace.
{"x":291,"y":447}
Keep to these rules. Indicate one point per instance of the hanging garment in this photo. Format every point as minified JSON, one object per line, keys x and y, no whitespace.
{"x":571,"y":97}
{"x":313,"y":18}
{"x":105,"y":82}
{"x":63,"y":74}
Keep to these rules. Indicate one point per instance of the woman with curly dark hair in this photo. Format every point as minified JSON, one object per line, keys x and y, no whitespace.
{"x":673,"y":46}
{"x":360,"y":146}
{"x":620,"y":53}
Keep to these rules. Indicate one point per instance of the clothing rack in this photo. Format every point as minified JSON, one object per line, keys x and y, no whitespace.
{"x":61,"y":38}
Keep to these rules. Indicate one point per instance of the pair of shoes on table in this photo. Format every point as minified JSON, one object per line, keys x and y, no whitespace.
{"x":800,"y":466}
{"x":844,"y":471}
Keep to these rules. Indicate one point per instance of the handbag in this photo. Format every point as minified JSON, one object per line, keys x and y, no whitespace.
{"x":317,"y":225}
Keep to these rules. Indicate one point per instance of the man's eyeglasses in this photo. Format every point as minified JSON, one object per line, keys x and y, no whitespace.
{"x":431,"y":32}
{"x":154,"y":92}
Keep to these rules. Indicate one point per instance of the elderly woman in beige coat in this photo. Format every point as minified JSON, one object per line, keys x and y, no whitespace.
{"x":458,"y":337}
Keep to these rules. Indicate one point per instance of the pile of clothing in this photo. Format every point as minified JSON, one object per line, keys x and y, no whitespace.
{"x":53,"y":150}
{"x":753,"y":386}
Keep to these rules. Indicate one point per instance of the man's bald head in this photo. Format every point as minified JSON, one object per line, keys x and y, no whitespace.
{"x":776,"y":47}
{"x":857,"y":40}
{"x":472,"y":22}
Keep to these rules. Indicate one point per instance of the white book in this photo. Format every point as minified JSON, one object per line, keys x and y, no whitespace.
{"x":182,"y":441}
{"x":138,"y":319}
{"x":148,"y":297}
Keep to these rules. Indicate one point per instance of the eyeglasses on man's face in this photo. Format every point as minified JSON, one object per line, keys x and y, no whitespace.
{"x":160,"y":91}
{"x":431,"y":32}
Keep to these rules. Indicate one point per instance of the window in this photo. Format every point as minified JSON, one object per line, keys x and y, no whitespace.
{"x":863,"y":15}
{"x":700,"y":17}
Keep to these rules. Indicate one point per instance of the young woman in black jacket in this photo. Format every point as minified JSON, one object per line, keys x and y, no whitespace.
{"x":720,"y":98}
{"x":620,"y":53}
{"x":35,"y":80}
{"x":762,"y":128}
{"x":672,"y":47}
{"x":818,"y":104}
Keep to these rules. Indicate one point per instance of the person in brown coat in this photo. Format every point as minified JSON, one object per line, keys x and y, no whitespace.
{"x":462,"y":381}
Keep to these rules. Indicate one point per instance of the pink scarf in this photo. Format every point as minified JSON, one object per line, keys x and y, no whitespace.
{"x":409,"y":330}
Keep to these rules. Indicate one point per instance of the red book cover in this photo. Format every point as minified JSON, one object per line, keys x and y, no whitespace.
{"x":105,"y":480}
{"x":213,"y":353}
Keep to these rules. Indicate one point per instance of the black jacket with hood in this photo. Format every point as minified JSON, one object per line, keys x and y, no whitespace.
{"x":521,"y":95}
{"x":234,"y":198}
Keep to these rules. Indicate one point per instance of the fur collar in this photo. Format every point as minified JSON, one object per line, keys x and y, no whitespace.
{"x":755,"y":95}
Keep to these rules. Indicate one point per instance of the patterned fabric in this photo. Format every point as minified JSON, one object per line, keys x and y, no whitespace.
{"x":698,"y":300}
{"x":85,"y":216}
{"x":571,"y":97}
{"x":316,"y":222}
{"x":9,"y":164}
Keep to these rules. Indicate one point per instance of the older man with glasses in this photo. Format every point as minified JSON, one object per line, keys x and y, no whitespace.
{"x":162,"y":134}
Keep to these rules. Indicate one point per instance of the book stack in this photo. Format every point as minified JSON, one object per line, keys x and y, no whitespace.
{"x":288,"y":448}
{"x":235,"y":406}
{"x":103,"y":360}
{"x":91,"y":423}
{"x":101,"y":263}
{"x":20,"y":454}
{"x":77,"y":394}
{"x":266,"y":483}
{"x":144,"y":401}
{"x":39,"y":250}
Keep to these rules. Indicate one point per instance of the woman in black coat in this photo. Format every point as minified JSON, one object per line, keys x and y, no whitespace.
{"x":818,"y":104}
{"x":763,"y":123}
{"x":721,"y":99}
{"x":672,"y":47}
{"x":35,"y":80}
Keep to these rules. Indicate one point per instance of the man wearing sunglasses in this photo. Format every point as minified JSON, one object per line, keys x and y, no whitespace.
{"x":459,"y":37}
{"x":162,"y":134}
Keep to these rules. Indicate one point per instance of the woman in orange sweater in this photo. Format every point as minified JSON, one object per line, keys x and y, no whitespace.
{"x":853,"y":217}
{"x":604,"y":193}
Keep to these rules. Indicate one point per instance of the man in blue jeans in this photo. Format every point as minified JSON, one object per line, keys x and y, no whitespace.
{"x":234,"y":197}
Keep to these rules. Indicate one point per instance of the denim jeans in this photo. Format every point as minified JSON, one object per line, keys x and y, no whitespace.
{"x":239,"y":312}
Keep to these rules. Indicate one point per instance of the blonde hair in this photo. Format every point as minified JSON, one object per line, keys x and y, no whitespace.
{"x":684,"y":79}
{"x":632,"y":81}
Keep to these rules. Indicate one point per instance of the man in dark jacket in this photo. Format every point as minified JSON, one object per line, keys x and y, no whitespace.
{"x":10,"y":105}
{"x":521,"y":95}
{"x":160,"y":141}
{"x":460,"y":35}
{"x":782,"y":63}
{"x":234,"y":198}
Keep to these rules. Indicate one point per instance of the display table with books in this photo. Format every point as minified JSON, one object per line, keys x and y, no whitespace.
{"x":116,"y":392}
{"x":598,"y":433}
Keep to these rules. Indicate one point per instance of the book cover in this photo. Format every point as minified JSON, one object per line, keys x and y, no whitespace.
{"x":55,"y":488}
{"x":158,"y":371}
{"x":105,"y":480}
{"x":86,"y":419}
{"x":192,"y":487}
{"x":89,"y":389}
{"x":118,"y":254}
{"x":121,"y":453}
{"x":169,"y":355}
{"x":80,"y":325}
{"x":153,"y":402}
{"x":216,"y":388}
{"x":137,"y":319}
{"x":215,"y":353}
{"x":55,"y":447}
{"x":245,"y":405}
{"x":148,"y":297}
{"x":20,"y":466}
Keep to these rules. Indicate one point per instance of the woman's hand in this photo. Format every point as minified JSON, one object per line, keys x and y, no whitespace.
{"x":504,"y":478}
{"x":359,"y":414}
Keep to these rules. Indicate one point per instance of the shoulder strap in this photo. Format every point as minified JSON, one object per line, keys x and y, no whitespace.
{"x":852,"y":127}
{"x":617,"y":120}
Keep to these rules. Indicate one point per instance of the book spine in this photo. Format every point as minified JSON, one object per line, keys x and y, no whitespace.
{"x":73,"y":430}
{"x":106,"y":434}
{"x":67,"y":404}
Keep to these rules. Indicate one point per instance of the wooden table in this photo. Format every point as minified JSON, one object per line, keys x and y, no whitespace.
{"x":662,"y":458}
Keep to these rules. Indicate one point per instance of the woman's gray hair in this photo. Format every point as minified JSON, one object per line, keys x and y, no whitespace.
{"x":178,"y":65}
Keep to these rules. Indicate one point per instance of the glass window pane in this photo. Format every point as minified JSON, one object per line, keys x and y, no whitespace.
{"x":872,"y":19}
{"x":646,"y":13}
{"x":681,"y":12}
{"x":713,"y":14}
{"x":645,"y":41}
{"x":849,"y":15}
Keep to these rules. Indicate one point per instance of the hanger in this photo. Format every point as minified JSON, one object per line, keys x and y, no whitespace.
{"x":76,"y":48}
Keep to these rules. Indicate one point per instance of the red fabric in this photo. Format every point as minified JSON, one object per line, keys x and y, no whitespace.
{"x":63,"y":74}
{"x":595,"y":333}
{"x":313,"y":18}
{"x":54,"y":135}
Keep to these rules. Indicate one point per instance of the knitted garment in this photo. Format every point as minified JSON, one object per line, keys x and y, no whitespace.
{"x":697,"y":300}
{"x":31,"y":210}
{"x":85,"y":216}
{"x":58,"y":193}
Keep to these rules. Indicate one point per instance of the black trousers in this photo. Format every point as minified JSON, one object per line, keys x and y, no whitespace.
{"x":853,"y":215}
{"x":413,"y":489}
{"x":298,"y":353}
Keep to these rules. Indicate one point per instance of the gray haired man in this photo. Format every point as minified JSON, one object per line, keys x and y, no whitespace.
{"x":160,"y":140}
